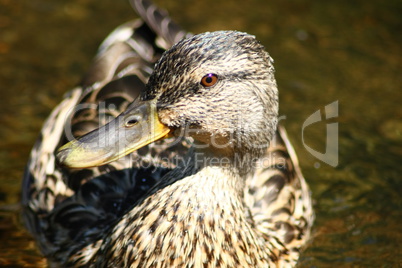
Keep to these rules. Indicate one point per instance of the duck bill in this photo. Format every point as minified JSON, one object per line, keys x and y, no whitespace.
{"x":137,"y":127}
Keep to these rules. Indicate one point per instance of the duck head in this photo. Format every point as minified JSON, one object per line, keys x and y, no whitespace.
{"x":218,"y":88}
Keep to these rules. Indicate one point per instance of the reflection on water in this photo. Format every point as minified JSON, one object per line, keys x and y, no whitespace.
{"x":324,"y":52}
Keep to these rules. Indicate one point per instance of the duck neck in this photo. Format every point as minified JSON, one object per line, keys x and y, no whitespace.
{"x":236,"y":157}
{"x":221,"y":169}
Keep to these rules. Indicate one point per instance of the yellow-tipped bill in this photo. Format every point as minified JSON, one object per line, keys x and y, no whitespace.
{"x":138,"y":126}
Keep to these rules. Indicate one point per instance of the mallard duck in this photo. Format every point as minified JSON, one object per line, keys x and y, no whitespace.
{"x":174,"y":164}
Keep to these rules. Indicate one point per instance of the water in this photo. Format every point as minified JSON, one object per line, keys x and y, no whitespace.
{"x":324,"y":52}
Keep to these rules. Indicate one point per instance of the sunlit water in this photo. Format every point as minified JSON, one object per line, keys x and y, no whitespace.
{"x":345,"y":51}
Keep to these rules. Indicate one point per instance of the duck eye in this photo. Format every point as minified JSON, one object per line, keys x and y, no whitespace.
{"x":209,"y":80}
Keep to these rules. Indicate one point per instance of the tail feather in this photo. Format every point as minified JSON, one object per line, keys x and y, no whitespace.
{"x":169,"y":33}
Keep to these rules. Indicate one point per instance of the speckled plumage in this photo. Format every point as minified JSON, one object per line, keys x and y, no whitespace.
{"x":174,"y":202}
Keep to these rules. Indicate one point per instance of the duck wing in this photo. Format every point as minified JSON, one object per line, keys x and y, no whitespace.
{"x":279,"y":200}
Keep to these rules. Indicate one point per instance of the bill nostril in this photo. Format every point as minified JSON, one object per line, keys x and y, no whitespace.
{"x":131,"y":122}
